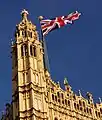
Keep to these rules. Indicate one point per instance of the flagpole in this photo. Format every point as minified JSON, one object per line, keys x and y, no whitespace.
{"x":45,"y":55}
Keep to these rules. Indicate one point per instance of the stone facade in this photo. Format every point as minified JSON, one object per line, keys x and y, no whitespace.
{"x":34,"y":95}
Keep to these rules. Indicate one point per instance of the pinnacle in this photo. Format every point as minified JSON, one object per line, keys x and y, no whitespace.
{"x":65,"y":81}
{"x":24,"y":14}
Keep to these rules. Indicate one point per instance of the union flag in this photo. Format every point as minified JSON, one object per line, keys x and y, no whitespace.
{"x":48,"y":25}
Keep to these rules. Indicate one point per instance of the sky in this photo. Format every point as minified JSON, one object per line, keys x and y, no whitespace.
{"x":74,"y":51}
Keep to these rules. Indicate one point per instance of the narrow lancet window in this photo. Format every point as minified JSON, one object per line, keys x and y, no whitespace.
{"x":31,"y":50}
{"x":55,"y":118}
{"x":31,"y":34}
{"x":34,"y":50}
{"x":24,"y":50}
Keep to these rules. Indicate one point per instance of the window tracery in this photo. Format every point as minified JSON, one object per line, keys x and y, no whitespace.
{"x":33,"y":50}
{"x":24,"y":50}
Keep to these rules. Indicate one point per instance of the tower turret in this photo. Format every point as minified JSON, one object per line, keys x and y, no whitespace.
{"x":28,"y":76}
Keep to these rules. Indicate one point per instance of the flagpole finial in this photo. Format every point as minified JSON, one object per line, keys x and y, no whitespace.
{"x":40,"y":17}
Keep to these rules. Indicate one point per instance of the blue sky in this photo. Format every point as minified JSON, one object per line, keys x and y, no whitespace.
{"x":75,"y":51}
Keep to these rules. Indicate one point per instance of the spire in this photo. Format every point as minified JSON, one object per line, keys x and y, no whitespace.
{"x":100,"y":100}
{"x":79,"y":93}
{"x":24,"y":14}
{"x":58,"y":83}
{"x":65,"y":81}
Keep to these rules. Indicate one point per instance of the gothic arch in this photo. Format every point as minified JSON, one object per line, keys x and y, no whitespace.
{"x":33,"y":50}
{"x":21,"y":50}
{"x":24,"y":50}
{"x":55,"y":118}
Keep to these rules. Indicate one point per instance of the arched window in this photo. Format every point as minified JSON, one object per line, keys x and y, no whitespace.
{"x":56,"y":118}
{"x":30,"y":34}
{"x":58,"y":94}
{"x":24,"y":50}
{"x":67,"y":94}
{"x":87,"y":110}
{"x":95,"y":105}
{"x":56,"y":98}
{"x":34,"y":50}
{"x":80,"y":103}
{"x":78,"y":106}
{"x":59,"y":100}
{"x":65,"y":102}
{"x":62,"y":95}
{"x":75,"y":105}
{"x":96,"y":113}
{"x":83,"y":103}
{"x":81,"y":108}
{"x":84,"y":110}
{"x":68,"y":103}
{"x":24,"y":33}
{"x":99,"y":114}
{"x":74,"y":97}
{"x":62,"y":101}
{"x":31,"y":50}
{"x":52,"y":97}
{"x":101,"y":110}
{"x":90,"y":111}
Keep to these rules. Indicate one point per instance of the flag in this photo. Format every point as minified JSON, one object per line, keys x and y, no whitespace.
{"x":48,"y":25}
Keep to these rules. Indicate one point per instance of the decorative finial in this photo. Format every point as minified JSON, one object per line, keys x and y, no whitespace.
{"x":47,"y":74}
{"x":40,"y":17}
{"x":2,"y":112}
{"x":89,"y":95}
{"x":24,"y":14}
{"x":3,"y":115}
{"x":58,"y":84}
{"x":65,"y":81}
{"x":100,"y":100}
{"x":12,"y":42}
{"x":79,"y":93}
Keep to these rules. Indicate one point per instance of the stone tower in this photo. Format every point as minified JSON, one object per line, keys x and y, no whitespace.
{"x":28,"y":79}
